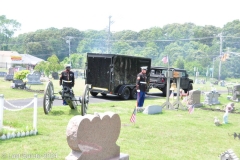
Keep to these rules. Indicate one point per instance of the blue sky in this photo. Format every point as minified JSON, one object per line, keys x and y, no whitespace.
{"x":127,"y":14}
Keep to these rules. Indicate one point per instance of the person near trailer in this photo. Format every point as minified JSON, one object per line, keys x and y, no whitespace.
{"x":68,"y":77}
{"x":141,"y":86}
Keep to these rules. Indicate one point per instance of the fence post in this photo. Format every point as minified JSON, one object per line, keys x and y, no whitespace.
{"x":35,"y":113}
{"x":1,"y":111}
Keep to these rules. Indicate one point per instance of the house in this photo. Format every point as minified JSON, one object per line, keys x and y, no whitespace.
{"x":10,"y":59}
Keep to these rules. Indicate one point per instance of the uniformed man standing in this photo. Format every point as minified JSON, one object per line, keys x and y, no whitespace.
{"x":67,"y":79}
{"x":141,"y":86}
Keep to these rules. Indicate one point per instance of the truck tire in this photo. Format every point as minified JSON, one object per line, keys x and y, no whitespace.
{"x":190,"y":87}
{"x":104,"y":94}
{"x":125,"y":93}
{"x":94,"y":93}
{"x":164,"y":91}
{"x":134,"y":93}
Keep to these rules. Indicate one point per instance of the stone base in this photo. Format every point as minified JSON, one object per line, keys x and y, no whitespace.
{"x":140,"y":109}
{"x":198,"y":105}
{"x":75,"y":155}
{"x":153,"y":109}
{"x":34,"y":83}
{"x":121,"y":157}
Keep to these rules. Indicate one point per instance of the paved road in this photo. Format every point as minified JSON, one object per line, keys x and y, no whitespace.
{"x":97,"y":99}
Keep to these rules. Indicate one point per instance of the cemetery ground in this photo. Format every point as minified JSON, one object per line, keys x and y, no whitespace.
{"x":170,"y":135}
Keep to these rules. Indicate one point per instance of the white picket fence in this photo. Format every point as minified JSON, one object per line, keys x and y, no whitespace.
{"x":18,"y":108}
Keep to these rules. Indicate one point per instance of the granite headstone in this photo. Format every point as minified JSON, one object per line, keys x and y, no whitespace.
{"x":93,"y":137}
{"x":194,"y":98}
{"x":34,"y":78}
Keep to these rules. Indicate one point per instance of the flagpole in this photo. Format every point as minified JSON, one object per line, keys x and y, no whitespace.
{"x":168,"y":61}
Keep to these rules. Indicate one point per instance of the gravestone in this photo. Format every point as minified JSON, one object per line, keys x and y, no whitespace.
{"x":11,"y":71}
{"x":3,"y":74}
{"x":236,"y":93}
{"x":228,"y":155}
{"x":194,"y":98}
{"x":211,"y":98}
{"x":55,"y":75}
{"x":76,"y":74}
{"x":153,"y":109}
{"x":8,"y":77}
{"x":34,"y":78}
{"x":93,"y":137}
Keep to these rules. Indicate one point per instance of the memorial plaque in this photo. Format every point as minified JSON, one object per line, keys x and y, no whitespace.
{"x":55,"y":75}
{"x":3,"y":74}
{"x":34,"y":78}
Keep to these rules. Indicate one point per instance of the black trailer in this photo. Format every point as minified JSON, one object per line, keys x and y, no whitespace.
{"x":114,"y":74}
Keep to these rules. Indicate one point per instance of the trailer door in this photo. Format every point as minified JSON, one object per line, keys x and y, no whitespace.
{"x":98,"y":70}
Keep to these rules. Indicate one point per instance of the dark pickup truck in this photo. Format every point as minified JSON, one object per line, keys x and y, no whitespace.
{"x":158,"y":79}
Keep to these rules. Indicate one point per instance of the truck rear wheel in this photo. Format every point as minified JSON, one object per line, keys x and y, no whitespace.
{"x":104,"y":94}
{"x":164,"y":91}
{"x":125,"y":93}
{"x":190,"y":87}
{"x":94,"y":93}
{"x":134,"y":93}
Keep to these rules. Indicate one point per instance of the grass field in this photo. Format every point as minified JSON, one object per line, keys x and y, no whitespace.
{"x":172,"y":135}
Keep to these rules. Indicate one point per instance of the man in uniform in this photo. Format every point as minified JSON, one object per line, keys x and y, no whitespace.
{"x":141,"y":86}
{"x":67,"y":79}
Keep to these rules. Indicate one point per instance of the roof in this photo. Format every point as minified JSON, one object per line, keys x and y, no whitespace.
{"x":8,"y":53}
{"x":29,"y":59}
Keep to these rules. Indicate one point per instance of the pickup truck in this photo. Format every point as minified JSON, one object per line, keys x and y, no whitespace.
{"x":158,"y":79}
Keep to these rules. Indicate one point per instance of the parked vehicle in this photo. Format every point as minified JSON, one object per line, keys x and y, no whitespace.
{"x":158,"y":79}
{"x":114,"y":74}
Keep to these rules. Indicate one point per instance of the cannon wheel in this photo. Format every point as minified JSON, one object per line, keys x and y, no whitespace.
{"x":85,"y":100}
{"x":48,"y":97}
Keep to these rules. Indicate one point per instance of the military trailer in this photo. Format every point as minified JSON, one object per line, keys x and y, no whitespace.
{"x":114,"y":74}
{"x":158,"y":79}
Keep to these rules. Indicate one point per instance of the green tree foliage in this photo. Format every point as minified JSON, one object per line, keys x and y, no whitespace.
{"x":51,"y":65}
{"x":195,"y":46}
{"x":7,"y":29}
{"x":76,"y":60}
{"x":21,"y":74}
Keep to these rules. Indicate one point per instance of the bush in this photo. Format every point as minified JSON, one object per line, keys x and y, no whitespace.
{"x":21,"y":74}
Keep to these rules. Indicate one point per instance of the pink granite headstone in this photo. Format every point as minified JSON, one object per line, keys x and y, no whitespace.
{"x":93,"y":137}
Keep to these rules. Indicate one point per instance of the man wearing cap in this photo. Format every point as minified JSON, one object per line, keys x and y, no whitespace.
{"x":67,"y":76}
{"x":141,"y":86}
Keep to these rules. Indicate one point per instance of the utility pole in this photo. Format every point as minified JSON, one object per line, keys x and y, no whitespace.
{"x":220,"y":62}
{"x":109,"y":34}
{"x":68,"y":40}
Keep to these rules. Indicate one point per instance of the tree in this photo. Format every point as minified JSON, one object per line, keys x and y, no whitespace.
{"x":7,"y":29}
{"x":77,"y":61}
{"x":52,"y":65}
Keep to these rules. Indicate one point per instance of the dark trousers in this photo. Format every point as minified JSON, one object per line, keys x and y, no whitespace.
{"x":140,"y":98}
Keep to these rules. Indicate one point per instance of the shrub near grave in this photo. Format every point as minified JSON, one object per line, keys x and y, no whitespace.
{"x":21,"y":74}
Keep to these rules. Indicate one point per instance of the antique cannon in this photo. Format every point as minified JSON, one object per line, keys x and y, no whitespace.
{"x":65,"y":94}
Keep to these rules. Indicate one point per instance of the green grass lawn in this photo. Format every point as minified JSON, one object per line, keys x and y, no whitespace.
{"x":172,"y":135}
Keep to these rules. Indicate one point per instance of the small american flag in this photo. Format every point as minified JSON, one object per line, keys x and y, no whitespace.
{"x":191,"y":109}
{"x":165,"y":59}
{"x":171,"y":95}
{"x":133,"y":117}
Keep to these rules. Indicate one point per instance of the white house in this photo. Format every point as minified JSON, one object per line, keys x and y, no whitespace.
{"x":11,"y":58}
